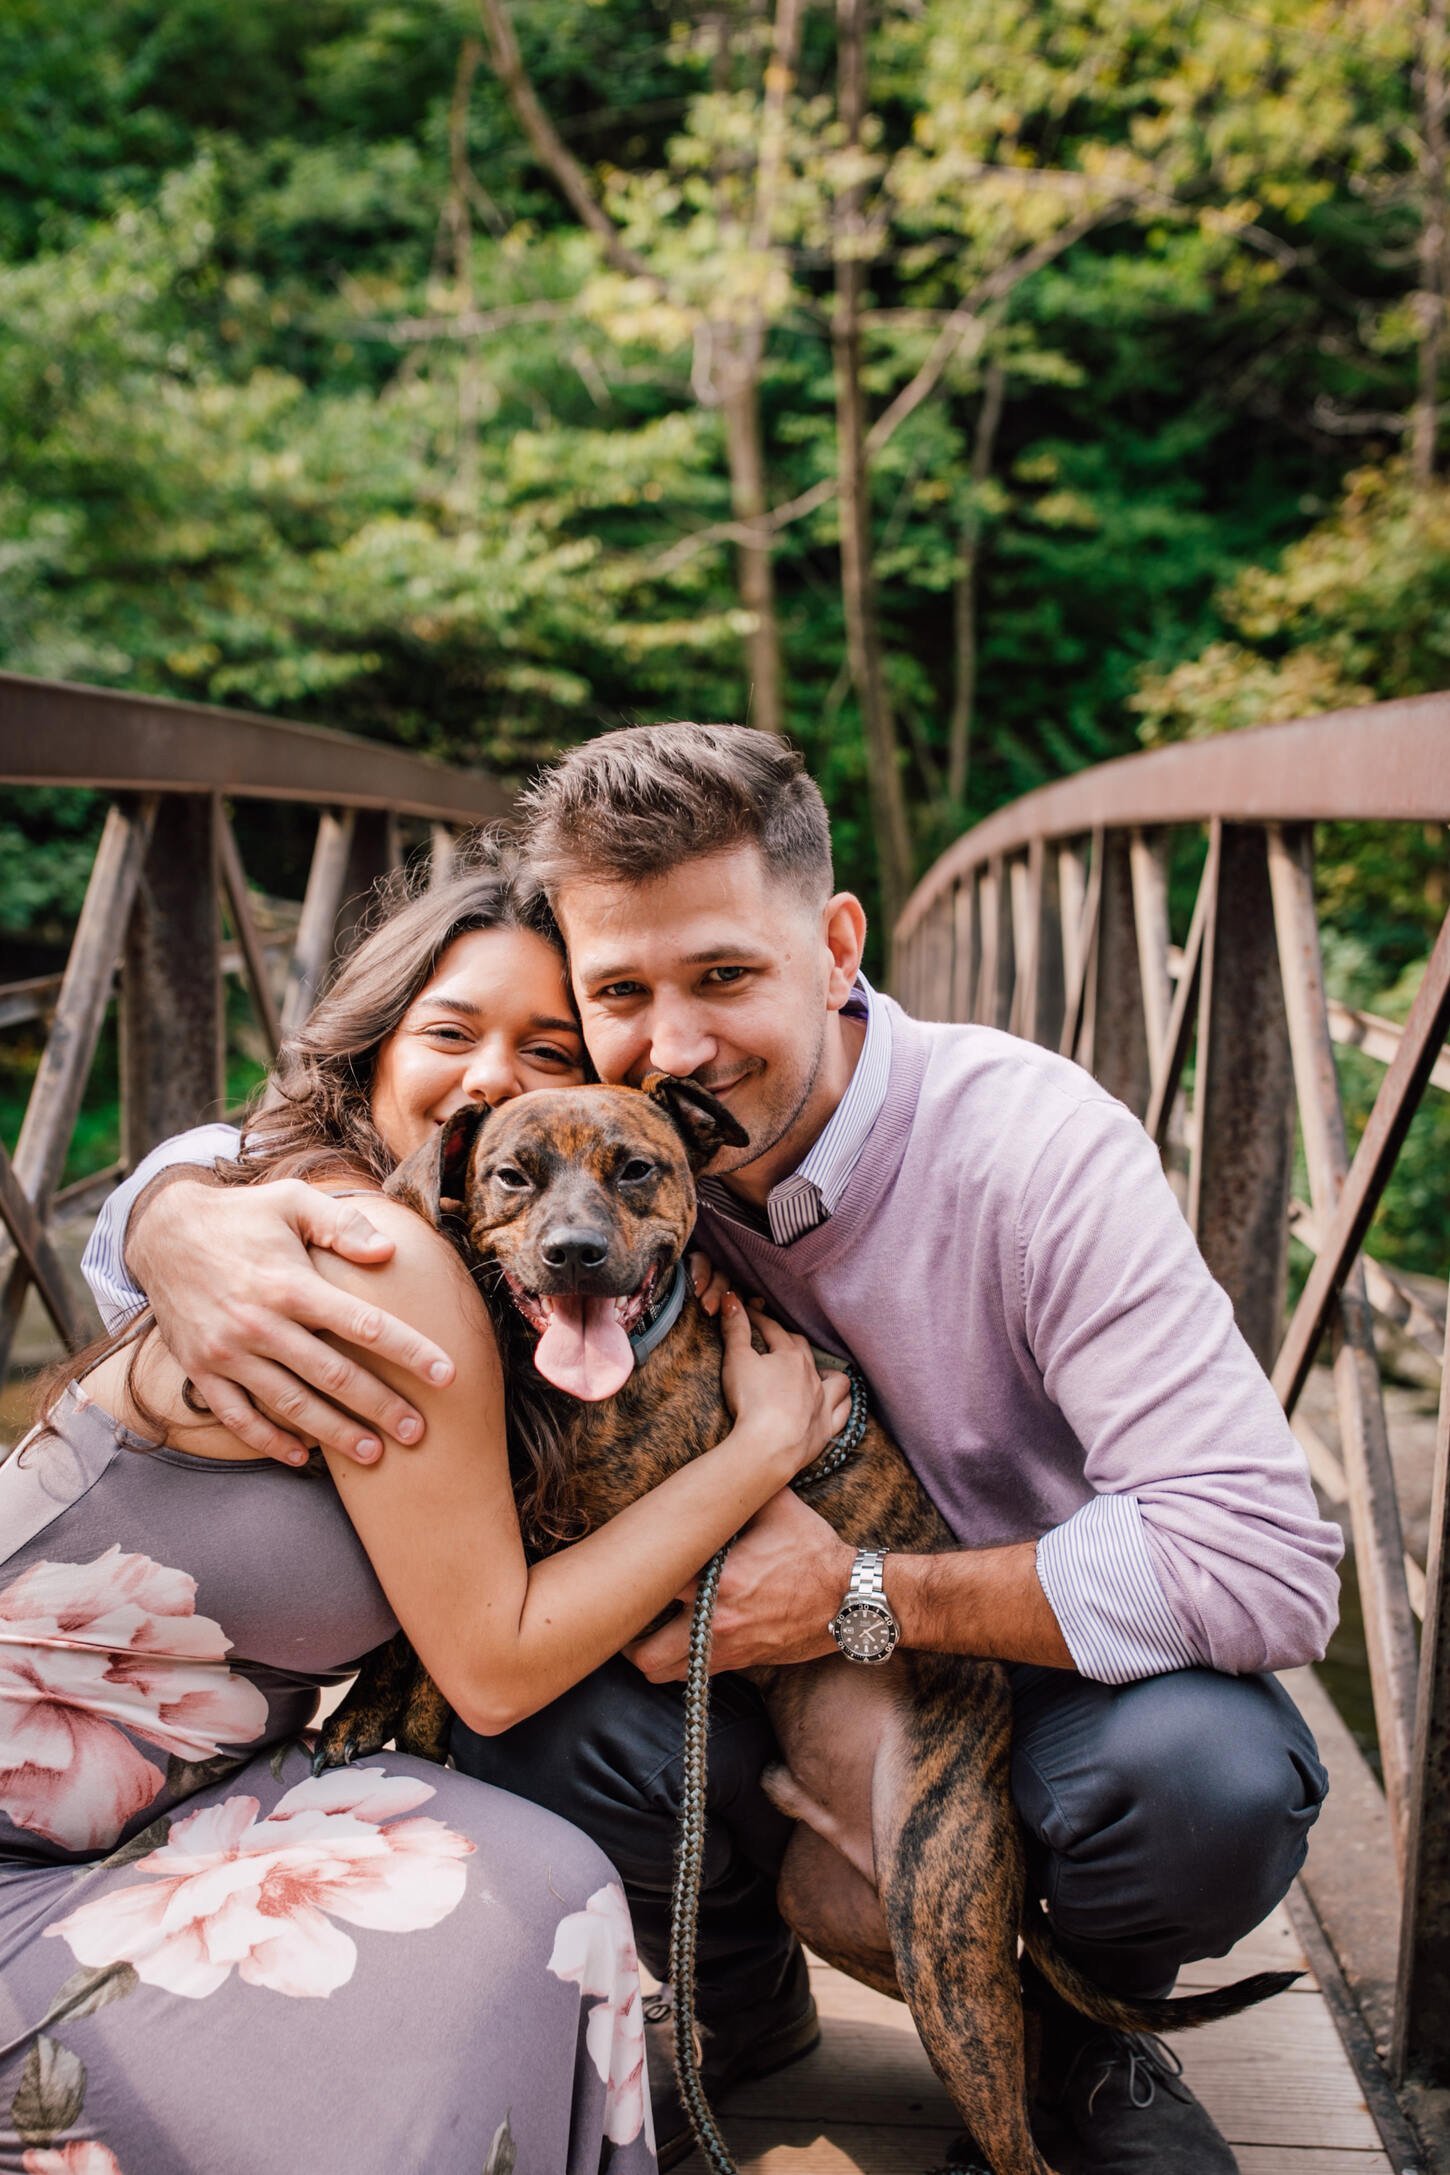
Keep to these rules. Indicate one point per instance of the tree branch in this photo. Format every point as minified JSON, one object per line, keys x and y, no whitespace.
{"x":549,"y":148}
{"x":963,"y":332}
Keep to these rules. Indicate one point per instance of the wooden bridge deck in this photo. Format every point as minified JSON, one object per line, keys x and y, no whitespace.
{"x":1277,"y":2080}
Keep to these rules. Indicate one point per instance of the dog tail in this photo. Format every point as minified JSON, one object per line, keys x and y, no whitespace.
{"x":1121,"y":2013}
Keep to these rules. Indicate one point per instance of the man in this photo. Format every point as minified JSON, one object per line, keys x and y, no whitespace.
{"x":991,"y":1237}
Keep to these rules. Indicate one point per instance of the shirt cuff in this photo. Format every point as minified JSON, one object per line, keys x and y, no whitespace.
{"x":1102,"y":1587}
{"x":103,"y":1264}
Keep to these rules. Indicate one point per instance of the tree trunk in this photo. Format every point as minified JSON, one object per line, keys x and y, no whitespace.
{"x":1434,"y":242}
{"x":740,"y":409}
{"x":858,"y":578}
{"x":964,"y":595}
{"x":469,"y":388}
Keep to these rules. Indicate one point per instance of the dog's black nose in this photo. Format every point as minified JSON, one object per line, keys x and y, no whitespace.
{"x":575,"y":1246}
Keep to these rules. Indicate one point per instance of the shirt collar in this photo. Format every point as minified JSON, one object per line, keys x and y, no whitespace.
{"x":812,"y":1192}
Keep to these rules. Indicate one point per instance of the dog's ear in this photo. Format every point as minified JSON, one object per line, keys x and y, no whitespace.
{"x":701,"y":1120}
{"x":431,"y":1179}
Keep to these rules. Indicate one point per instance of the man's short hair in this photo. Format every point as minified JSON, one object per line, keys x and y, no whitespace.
{"x":634,"y":804}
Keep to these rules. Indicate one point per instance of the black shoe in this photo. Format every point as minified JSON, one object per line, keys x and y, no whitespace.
{"x":1119,"y":2103}
{"x":750,"y":2044}
{"x":964,"y":2157}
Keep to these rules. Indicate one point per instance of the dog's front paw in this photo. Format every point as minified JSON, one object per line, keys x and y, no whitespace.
{"x":368,"y":1715}
{"x":345,"y":1737}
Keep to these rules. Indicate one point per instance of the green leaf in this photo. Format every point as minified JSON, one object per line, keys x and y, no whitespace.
{"x":87,"y":1990}
{"x":51,"y":2093}
{"x":140,"y":1846}
{"x":503,"y":2153}
{"x":186,"y":1776}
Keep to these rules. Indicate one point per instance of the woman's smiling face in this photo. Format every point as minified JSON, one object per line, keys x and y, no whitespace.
{"x":492,"y":1021}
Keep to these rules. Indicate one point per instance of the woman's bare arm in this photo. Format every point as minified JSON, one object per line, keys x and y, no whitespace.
{"x":500,"y":1637}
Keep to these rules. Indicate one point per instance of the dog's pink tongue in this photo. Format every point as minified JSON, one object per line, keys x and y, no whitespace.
{"x":584,"y":1349}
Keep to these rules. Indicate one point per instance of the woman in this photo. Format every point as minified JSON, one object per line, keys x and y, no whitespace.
{"x":173,"y":1880}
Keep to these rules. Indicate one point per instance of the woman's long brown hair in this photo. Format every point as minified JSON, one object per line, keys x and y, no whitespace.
{"x":312,"y":1119}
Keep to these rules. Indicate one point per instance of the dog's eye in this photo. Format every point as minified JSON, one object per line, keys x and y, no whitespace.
{"x":511,"y":1178}
{"x":636,"y":1170}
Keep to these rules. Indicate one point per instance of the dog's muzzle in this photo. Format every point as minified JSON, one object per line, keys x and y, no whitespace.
{"x":591,"y":1342}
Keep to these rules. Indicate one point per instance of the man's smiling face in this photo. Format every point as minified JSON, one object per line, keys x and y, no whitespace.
{"x":723,"y":972}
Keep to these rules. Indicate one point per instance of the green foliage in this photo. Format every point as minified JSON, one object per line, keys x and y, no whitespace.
{"x":317,"y":399}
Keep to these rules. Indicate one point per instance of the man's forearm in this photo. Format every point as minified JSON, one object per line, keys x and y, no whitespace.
{"x":984,"y":1601}
{"x":104,"y":1264}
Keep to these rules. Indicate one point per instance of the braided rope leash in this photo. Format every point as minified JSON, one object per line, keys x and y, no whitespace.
{"x":690,"y":1851}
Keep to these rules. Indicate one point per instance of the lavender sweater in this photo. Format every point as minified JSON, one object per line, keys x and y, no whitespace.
{"x":1010,"y":1269}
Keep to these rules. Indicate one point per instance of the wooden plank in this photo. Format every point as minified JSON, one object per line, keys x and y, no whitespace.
{"x":1278,"y":2076}
{"x":1238,"y":1184}
{"x":1394,"y":1107}
{"x":868,"y":2103}
{"x":254,"y":955}
{"x":1293,"y":2160}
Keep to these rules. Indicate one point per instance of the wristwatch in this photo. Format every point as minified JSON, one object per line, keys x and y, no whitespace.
{"x":863,"y":1627}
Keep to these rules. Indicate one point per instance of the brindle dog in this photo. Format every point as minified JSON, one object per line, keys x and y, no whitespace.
{"x":906,"y":1865}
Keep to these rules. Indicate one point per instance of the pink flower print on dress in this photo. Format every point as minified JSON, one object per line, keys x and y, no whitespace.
{"x":227,"y":1891}
{"x":76,"y":2159}
{"x":87,"y":1652}
{"x":595,"y":1949}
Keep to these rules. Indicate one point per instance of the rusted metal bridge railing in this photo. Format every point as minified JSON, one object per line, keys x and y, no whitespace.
{"x":166,"y":872}
{"x":1052,"y":919}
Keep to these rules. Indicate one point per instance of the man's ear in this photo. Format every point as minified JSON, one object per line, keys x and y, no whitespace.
{"x":702,"y":1122}
{"x":431,"y":1179}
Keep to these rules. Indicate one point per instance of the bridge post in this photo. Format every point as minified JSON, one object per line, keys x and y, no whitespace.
{"x":1238,"y":1187}
{"x":171,"y":985}
{"x":1120,"y":1055}
{"x":375,"y":852}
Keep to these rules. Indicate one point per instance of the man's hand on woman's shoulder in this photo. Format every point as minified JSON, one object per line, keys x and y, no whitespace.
{"x":227,"y":1274}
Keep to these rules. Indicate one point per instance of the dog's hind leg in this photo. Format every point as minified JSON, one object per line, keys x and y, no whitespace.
{"x":835,"y":1912}
{"x":949,"y":1873}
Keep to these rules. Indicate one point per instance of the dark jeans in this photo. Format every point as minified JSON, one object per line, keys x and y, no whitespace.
{"x":1164,"y":1818}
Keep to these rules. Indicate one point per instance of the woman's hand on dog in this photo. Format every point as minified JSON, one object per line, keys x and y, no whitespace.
{"x":772,"y":1384}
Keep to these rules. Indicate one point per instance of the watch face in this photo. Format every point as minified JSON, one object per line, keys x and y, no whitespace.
{"x":865,"y":1630}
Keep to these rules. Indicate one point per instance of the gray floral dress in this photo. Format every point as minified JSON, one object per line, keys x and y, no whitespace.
{"x":212,"y":1963}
